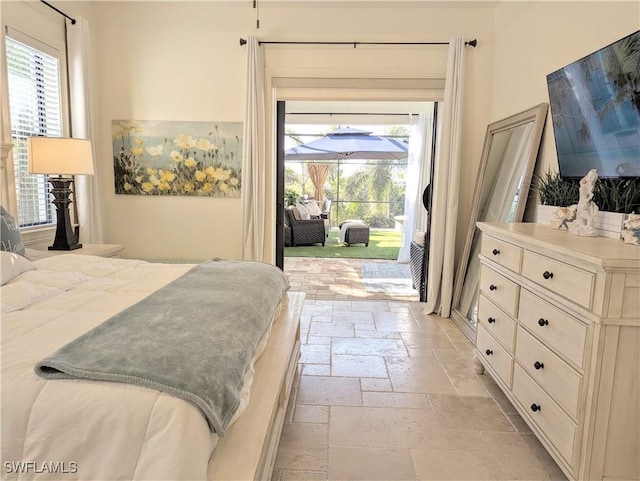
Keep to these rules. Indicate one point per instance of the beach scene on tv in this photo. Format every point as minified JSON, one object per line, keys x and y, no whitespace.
{"x":595,"y":107}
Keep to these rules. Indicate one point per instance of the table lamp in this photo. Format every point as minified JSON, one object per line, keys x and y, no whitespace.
{"x":58,"y":156}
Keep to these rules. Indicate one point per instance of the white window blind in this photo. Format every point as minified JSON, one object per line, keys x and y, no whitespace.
{"x":35,"y":106}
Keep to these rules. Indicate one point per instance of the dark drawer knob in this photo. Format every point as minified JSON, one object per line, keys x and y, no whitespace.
{"x":488,"y":352}
{"x":493,"y":287}
{"x":495,"y":252}
{"x":535,"y":407}
{"x":547,"y":275}
{"x":538,"y":365}
{"x":491,"y":320}
{"x":543,"y":322}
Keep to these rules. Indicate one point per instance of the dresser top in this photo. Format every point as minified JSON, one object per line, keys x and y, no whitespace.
{"x":595,"y":250}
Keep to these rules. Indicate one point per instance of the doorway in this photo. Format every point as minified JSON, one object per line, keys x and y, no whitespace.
{"x":305,"y":121}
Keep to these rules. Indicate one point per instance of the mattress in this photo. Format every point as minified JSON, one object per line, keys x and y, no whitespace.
{"x":74,"y":429}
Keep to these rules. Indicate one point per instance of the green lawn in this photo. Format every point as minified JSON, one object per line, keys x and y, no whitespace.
{"x":383,"y":244}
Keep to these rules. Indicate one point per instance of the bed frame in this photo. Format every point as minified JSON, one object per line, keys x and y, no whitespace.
{"x":248,"y":450}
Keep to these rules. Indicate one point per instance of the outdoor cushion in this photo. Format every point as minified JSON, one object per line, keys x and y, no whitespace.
{"x":304,"y":213}
{"x":313,"y":208}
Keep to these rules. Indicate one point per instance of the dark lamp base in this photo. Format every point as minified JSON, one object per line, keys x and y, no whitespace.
{"x":64,"y":240}
{"x":70,"y":247}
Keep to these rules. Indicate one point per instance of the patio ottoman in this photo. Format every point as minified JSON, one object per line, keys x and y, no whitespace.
{"x":354,"y":232}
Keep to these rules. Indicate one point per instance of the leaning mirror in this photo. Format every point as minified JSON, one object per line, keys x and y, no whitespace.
{"x":504,"y":176}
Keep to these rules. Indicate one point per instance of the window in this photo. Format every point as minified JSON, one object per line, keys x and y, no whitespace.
{"x":34,"y":84}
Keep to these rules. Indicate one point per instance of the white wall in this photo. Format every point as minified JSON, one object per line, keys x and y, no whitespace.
{"x":181,"y":61}
{"x":534,"y":39}
{"x":166,"y":61}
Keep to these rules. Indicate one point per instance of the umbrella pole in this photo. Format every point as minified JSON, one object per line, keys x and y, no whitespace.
{"x":338,"y":194}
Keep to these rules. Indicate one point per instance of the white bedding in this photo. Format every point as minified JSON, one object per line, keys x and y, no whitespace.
{"x":88,"y":429}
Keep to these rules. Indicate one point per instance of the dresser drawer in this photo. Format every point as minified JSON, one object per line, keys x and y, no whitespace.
{"x":494,"y":354}
{"x":503,"y":253}
{"x":500,"y":290}
{"x":555,"y":328}
{"x":501,"y":326}
{"x":568,"y":281}
{"x":545,"y":413}
{"x":552,"y":373}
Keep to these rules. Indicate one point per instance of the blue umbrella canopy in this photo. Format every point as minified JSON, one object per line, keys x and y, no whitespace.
{"x":348,"y":143}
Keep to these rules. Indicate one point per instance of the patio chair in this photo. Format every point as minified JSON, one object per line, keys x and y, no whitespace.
{"x":287,"y":231}
{"x":305,"y":232}
{"x":326,"y":210}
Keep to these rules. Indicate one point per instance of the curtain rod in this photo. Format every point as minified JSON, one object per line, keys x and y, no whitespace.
{"x":378,"y":114}
{"x":471,"y":43}
{"x":73,"y":20}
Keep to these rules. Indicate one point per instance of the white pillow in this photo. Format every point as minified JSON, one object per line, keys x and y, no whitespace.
{"x":13,"y":265}
{"x":304,"y":213}
{"x":313,"y":208}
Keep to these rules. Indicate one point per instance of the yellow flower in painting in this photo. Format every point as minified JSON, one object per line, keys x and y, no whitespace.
{"x":164,"y":185}
{"x":233,"y":182}
{"x":127,"y":186}
{"x":204,"y":144}
{"x":155,"y":150}
{"x":223,"y":187}
{"x":207,"y":187}
{"x":151,"y":171}
{"x":138,"y":141}
{"x":188,"y":187}
{"x":176,"y":156}
{"x":148,"y":186}
{"x":138,"y":179}
{"x":137,"y":150}
{"x":190,"y":162}
{"x":154,"y":180}
{"x":200,"y":176}
{"x":167,"y":176}
{"x":184,"y":141}
{"x":210,"y":171}
{"x":221,"y":174}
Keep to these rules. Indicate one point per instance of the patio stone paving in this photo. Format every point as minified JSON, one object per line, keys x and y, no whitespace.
{"x":332,"y":279}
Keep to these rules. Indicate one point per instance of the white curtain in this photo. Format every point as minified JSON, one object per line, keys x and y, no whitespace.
{"x":81,"y":109}
{"x":444,"y":211}
{"x":254,"y":156}
{"x":7,"y":186}
{"x":418,"y":162}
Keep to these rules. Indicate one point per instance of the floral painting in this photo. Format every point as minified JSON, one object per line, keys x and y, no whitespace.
{"x":177,"y":158}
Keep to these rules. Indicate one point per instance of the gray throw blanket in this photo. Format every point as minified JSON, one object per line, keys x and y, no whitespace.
{"x":194,"y":338}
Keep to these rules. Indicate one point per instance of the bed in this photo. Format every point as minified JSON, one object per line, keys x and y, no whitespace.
{"x":75,"y":428}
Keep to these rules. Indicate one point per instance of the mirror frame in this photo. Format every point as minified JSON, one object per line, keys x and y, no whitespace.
{"x":537,"y":115}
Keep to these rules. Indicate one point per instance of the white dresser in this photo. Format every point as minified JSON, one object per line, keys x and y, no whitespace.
{"x":559,"y":330}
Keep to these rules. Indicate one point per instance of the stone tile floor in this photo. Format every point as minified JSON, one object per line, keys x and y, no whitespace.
{"x":386,"y":392}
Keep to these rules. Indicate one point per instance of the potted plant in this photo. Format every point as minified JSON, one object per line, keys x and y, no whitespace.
{"x":291,"y":197}
{"x":555,"y":191}
{"x":614,"y":197}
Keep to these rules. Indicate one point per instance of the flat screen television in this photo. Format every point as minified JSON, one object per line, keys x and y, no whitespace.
{"x":595,"y":109}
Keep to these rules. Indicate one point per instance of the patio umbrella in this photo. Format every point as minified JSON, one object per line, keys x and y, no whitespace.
{"x":348,"y":143}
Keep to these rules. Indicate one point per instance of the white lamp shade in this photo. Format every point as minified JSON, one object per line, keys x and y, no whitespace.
{"x":58,"y":155}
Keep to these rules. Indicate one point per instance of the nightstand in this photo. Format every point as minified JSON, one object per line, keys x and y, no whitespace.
{"x":100,"y":250}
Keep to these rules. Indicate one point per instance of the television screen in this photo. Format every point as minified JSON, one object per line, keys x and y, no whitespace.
{"x":595,"y":108}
